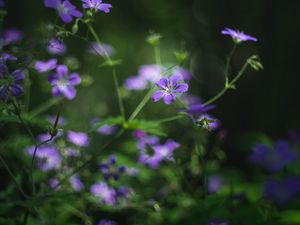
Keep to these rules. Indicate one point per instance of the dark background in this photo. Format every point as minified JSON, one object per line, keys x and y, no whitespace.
{"x":266,"y":101}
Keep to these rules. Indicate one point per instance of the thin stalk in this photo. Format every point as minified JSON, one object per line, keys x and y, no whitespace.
{"x":228,"y":85}
{"x":141,"y":105}
{"x":169,"y":119}
{"x":13,"y":177}
{"x":43,"y":107}
{"x":157,"y":54}
{"x":116,"y":83}
{"x":229,"y":58}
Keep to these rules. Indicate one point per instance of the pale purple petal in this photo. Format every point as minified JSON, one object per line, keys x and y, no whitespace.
{"x":180,"y":88}
{"x":157,"y":95}
{"x":169,"y":98}
{"x":74,"y":79}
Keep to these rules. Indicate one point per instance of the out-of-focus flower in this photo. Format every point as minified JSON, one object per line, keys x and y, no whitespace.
{"x":76,"y":183}
{"x":135,"y":83}
{"x":56,"y":47}
{"x":48,"y":157}
{"x":152,"y":72}
{"x":103,"y":49}
{"x":284,"y":191}
{"x":159,"y":153}
{"x":2,"y":3}
{"x":4,"y":57}
{"x":97,"y":5}
{"x":217,"y":222}
{"x":105,"y":193}
{"x":65,"y":9}
{"x":44,"y":66}
{"x":191,"y":99}
{"x":107,"y":222}
{"x":53,"y":182}
{"x":169,"y":87}
{"x":185,"y":74}
{"x":274,"y":159}
{"x":63,"y":83}
{"x":61,"y":121}
{"x":11,"y":84}
{"x":104,"y":129}
{"x":238,"y":36}
{"x":214,"y":183}
{"x":123,"y":193}
{"x":208,"y":122}
{"x":110,"y":170}
{"x":10,"y":36}
{"x":78,"y":138}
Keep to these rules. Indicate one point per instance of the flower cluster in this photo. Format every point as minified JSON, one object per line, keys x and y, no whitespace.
{"x":151,"y":152}
{"x":110,"y":170}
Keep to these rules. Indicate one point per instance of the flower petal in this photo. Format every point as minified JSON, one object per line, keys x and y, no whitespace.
{"x":169,"y":98}
{"x":163,"y":83}
{"x":180,"y":88}
{"x":62,"y":70}
{"x":175,"y":78}
{"x":74,"y":79}
{"x":157,"y":95}
{"x":69,"y":92}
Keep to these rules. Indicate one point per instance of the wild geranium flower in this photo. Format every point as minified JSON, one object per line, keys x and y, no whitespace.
{"x":45,"y":66}
{"x":61,"y":121}
{"x":238,"y":36}
{"x":158,"y":154}
{"x":104,"y":129}
{"x":169,"y":88}
{"x":102,"y":49}
{"x":97,"y":5}
{"x":282,"y":191}
{"x":273,"y":158}
{"x":103,"y":192}
{"x":110,"y":170}
{"x":65,"y":9}
{"x":63,"y":83}
{"x":48,"y":157}
{"x":56,"y":47}
{"x":11,"y":36}
{"x":135,"y":83}
{"x":76,"y":183}
{"x":214,"y":183}
{"x":151,"y":72}
{"x":11,"y":84}
{"x":4,"y":57}
{"x":208,"y":122}
{"x":78,"y":138}
{"x":185,"y":74}
{"x":107,"y":222}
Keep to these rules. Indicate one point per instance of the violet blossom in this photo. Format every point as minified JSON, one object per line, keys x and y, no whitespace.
{"x":63,"y":83}
{"x":238,"y":36}
{"x":102,"y":49}
{"x":169,"y":87}
{"x":65,"y":9}
{"x":80,"y":139}
{"x":107,"y":222}
{"x":76,"y":183}
{"x":56,"y":47}
{"x":273,"y":158}
{"x":110,"y":170}
{"x":97,"y":5}
{"x":104,"y":193}
{"x":45,"y":66}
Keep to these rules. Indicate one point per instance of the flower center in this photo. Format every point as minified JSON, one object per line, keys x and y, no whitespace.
{"x":62,"y":9}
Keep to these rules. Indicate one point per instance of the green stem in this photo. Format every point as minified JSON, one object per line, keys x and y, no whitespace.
{"x":13,"y":177}
{"x":157,"y":54}
{"x":229,"y":58}
{"x":141,"y":105}
{"x":116,"y":83}
{"x":169,"y":119}
{"x":228,"y":85}
{"x":43,"y":107}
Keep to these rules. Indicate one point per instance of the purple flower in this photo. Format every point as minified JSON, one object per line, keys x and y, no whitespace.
{"x":191,"y":99}
{"x":185,"y":74}
{"x":103,"y":192}
{"x":198,"y":109}
{"x":96,"y":5}
{"x":45,"y":66}
{"x":65,"y":9}
{"x":103,"y":49}
{"x":135,"y":83}
{"x":107,"y":129}
{"x":169,"y":88}
{"x":110,"y":170}
{"x":146,"y":141}
{"x":56,"y":47}
{"x":61,"y":121}
{"x":2,"y":3}
{"x":76,"y":183}
{"x":7,"y":57}
{"x":238,"y":36}
{"x":11,"y":84}
{"x":53,"y":182}
{"x":78,"y":138}
{"x":48,"y":157}
{"x":208,"y":122}
{"x":160,"y":152}
{"x":11,"y":36}
{"x":63,"y":83}
{"x":107,"y":222}
{"x":284,"y":191}
{"x":274,"y":159}
{"x":152,"y":72}
{"x":214,"y":183}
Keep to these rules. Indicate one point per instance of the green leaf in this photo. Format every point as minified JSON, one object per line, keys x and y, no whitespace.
{"x":35,"y":121}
